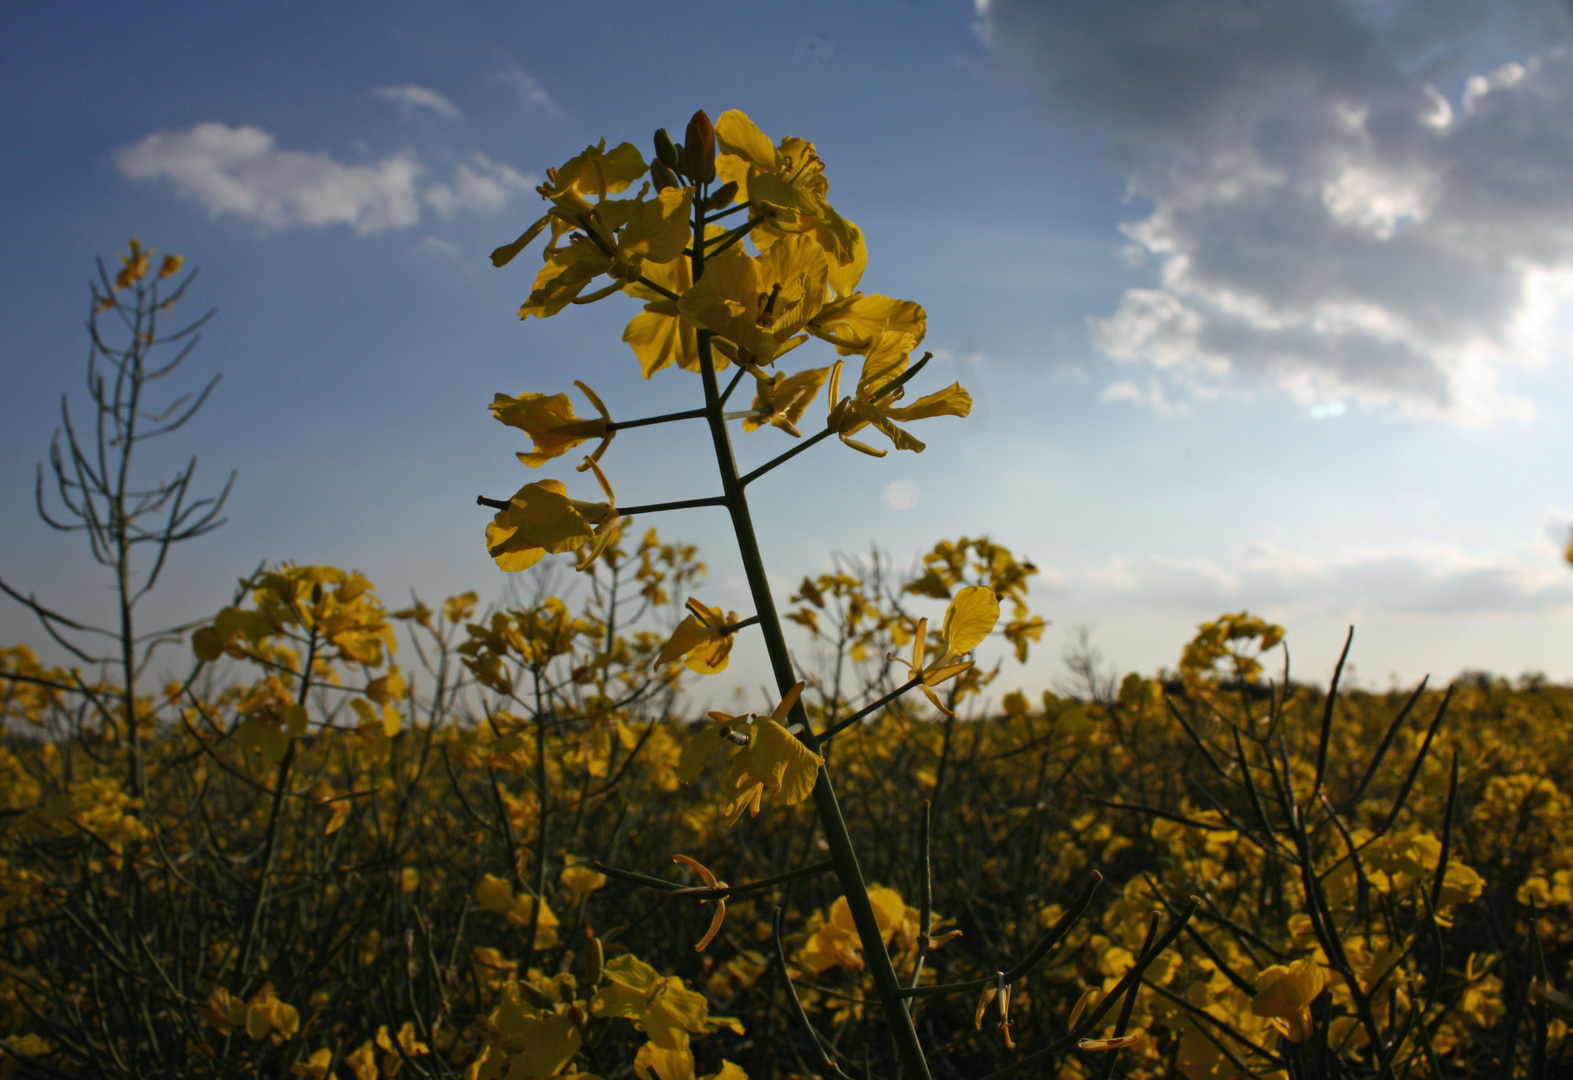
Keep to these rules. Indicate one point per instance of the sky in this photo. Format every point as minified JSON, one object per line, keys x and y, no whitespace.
{"x":1262,"y":306}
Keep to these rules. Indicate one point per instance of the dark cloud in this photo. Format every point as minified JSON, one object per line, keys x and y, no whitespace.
{"x":1365,"y":200}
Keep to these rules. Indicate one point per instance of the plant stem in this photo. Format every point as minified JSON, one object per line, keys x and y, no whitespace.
{"x":831,"y":822}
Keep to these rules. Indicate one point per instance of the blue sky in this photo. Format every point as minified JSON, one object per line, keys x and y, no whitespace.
{"x":1262,"y":306}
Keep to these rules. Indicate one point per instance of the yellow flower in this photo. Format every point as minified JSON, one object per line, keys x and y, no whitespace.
{"x":550,"y":422}
{"x":617,"y":237}
{"x":224,"y":1011}
{"x":854,"y":322}
{"x":1285,"y":994}
{"x":786,"y":184}
{"x":134,"y":265}
{"x":771,"y":759}
{"x":542,"y":519}
{"x":660,"y":1006}
{"x":592,"y":172}
{"x":836,"y":943}
{"x":496,"y":895}
{"x":781,"y":400}
{"x":269,"y":1018}
{"x":759,"y":308}
{"x":720,"y":904}
{"x":870,"y":404}
{"x":528,"y":1035}
{"x":658,"y":335}
{"x":581,"y":880}
{"x":316,"y":1066}
{"x":774,"y":761}
{"x":698,"y":638}
{"x":1000,"y":992}
{"x":968,"y":620}
{"x":399,"y":1048}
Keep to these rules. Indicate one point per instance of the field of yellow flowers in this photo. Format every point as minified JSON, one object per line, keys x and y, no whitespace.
{"x":357,"y":842}
{"x":481,"y":867}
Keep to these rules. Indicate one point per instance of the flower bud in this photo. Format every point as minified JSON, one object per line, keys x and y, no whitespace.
{"x":665,"y":152}
{"x":663,"y":176}
{"x":722,"y":196}
{"x":699,"y":149}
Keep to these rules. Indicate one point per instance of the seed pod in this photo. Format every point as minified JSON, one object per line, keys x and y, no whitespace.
{"x":662,"y":175}
{"x":665,"y":152}
{"x":594,"y":959}
{"x":699,"y":149}
{"x":723,"y":195}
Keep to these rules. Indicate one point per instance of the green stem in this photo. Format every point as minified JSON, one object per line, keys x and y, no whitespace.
{"x":842,"y":855}
{"x":281,"y":780}
{"x":913,"y":1063}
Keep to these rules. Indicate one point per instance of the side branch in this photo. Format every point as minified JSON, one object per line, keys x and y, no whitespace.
{"x":1095,"y":1015}
{"x":665,"y":418}
{"x":626,"y":511}
{"x":749,"y":478}
{"x":890,"y":388}
{"x":673,"y":888}
{"x":1034,"y":956}
{"x":841,"y":725}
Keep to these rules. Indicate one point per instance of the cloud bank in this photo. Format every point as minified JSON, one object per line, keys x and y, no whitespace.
{"x":1370,"y":201}
{"x":242,"y":171}
{"x":1421,"y":580}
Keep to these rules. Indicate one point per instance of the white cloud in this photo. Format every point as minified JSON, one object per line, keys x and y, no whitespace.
{"x":411,"y":98}
{"x":436,"y":245}
{"x":1355,"y":201}
{"x":480,"y":184}
{"x":1154,"y":395}
{"x":242,"y":171}
{"x":530,"y":92}
{"x":1428,"y":580}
